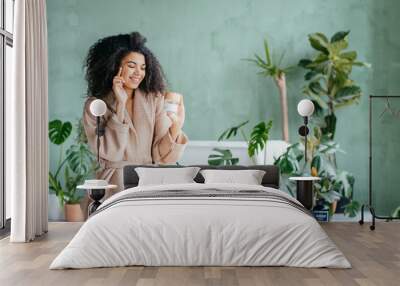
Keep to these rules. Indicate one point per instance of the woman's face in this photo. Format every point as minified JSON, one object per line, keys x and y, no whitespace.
{"x":133,"y":69}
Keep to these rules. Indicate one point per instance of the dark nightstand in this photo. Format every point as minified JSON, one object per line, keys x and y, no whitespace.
{"x":305,"y":190}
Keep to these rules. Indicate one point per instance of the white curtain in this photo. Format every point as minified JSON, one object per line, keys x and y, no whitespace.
{"x":27,"y":124}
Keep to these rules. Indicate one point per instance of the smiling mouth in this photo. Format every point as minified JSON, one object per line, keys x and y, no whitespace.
{"x":135,"y":79}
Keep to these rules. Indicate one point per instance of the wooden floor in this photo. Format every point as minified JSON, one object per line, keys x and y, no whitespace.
{"x":375,"y":257}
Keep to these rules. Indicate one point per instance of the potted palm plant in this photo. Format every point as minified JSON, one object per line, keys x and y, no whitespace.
{"x":272,"y":68}
{"x":75,"y":164}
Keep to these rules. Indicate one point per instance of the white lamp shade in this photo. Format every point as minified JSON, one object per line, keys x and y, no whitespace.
{"x":98,"y":107}
{"x":305,"y":107}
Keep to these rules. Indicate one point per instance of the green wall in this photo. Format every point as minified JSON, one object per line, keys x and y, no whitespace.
{"x":201,"y":43}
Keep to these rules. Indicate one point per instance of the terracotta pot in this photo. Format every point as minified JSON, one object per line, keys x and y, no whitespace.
{"x":73,"y":212}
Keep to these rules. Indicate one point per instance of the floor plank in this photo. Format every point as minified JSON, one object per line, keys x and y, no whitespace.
{"x":374,"y":255}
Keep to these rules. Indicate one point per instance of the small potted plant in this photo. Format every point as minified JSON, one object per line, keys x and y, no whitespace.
{"x":257,"y":142}
{"x":76,"y":164}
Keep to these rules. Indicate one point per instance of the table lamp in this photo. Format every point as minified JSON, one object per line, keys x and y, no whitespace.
{"x":305,"y":182}
{"x":305,"y":108}
{"x":98,"y":108}
{"x":97,"y":188}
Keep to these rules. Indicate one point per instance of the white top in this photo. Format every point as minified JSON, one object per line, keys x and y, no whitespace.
{"x":305,"y":178}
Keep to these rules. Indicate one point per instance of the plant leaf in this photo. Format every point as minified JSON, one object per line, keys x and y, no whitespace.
{"x":267,"y":52}
{"x":80,"y":159}
{"x":259,"y":137}
{"x":230,"y":132}
{"x":304,"y":63}
{"x":223,"y":158}
{"x":351,"y":209}
{"x":351,"y":56}
{"x":339,"y":36}
{"x":319,"y":42}
{"x":59,"y":131}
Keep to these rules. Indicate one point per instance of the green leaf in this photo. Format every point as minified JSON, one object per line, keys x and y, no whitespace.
{"x":261,"y":62}
{"x":59,"y":131}
{"x":320,"y":59}
{"x":348,"y":90}
{"x":230,"y":132}
{"x":339,"y":36}
{"x":316,"y":88}
{"x":259,"y":137}
{"x":319,"y":42}
{"x":317,"y":100}
{"x":396,"y":213}
{"x":309,"y":75}
{"x":80,"y":159}
{"x":362,"y":64}
{"x":316,"y":162}
{"x":304,"y":63}
{"x":330,"y":125}
{"x":347,"y":180}
{"x":54,"y":184}
{"x":351,"y":209}
{"x":223,"y":158}
{"x":351,"y":56}
{"x":267,"y":52}
{"x":330,"y":196}
{"x":336,"y":47}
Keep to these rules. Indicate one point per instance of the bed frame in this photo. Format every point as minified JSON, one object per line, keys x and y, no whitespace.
{"x":270,"y":179}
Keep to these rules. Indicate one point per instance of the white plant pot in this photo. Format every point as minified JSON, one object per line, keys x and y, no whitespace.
{"x":56,"y":212}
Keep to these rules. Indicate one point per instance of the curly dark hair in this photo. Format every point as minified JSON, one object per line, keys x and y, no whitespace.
{"x":104,"y":59}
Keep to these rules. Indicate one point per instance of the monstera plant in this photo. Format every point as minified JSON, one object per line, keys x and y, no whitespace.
{"x":74,"y":165}
{"x":257,"y":142}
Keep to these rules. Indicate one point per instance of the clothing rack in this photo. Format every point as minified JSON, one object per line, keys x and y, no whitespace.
{"x":369,"y":205}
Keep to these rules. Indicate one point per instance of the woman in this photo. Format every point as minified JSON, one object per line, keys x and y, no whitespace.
{"x":125,"y":74}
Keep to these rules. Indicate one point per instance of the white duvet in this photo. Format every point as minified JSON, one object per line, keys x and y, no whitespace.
{"x":200,"y":231}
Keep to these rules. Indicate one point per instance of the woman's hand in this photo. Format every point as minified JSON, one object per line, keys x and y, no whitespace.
{"x":177,"y":119}
{"x":120,"y":94}
{"x":118,"y":88}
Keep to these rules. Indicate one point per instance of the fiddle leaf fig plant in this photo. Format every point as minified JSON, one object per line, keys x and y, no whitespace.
{"x":329,"y":85}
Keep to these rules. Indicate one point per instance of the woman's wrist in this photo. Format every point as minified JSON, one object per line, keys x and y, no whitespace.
{"x":120,"y":112}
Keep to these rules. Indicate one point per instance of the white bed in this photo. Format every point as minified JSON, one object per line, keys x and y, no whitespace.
{"x":250,"y":225}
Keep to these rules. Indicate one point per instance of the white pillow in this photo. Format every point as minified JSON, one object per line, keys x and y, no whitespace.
{"x":163,"y":176}
{"x":249,"y":177}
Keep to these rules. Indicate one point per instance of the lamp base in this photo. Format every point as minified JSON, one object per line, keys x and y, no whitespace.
{"x":305,"y":193}
{"x":96,"y":195}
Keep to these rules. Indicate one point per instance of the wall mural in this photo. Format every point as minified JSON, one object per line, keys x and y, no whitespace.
{"x":234,"y":89}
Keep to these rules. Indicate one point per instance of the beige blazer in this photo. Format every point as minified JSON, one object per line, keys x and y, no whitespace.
{"x":144,"y":139}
